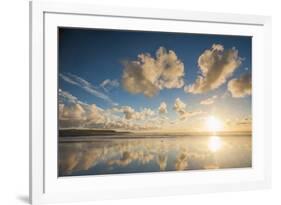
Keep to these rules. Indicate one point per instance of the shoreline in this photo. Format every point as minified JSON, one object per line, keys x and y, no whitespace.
{"x":136,"y":137}
{"x":128,"y":134}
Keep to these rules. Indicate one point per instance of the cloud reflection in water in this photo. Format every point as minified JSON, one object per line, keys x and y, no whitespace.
{"x":110,"y":156}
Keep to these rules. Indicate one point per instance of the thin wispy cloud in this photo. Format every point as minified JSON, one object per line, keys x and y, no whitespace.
{"x":67,"y":98}
{"x":209,"y":101}
{"x":108,"y":84}
{"x":87,"y":86}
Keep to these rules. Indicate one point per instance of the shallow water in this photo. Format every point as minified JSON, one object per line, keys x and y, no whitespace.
{"x":120,"y":154}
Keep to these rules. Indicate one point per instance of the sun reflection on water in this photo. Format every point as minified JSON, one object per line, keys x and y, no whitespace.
{"x":111,"y":156}
{"x":214,"y":143}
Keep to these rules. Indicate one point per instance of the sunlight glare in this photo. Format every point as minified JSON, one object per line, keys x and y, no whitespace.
{"x":214,"y":143}
{"x":213,"y":124}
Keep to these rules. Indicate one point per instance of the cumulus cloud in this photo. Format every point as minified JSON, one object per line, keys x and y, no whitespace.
{"x":181,"y":108}
{"x":87,"y":86}
{"x":81,"y":115}
{"x":108,"y":84}
{"x":77,"y":115}
{"x":163,"y":108}
{"x":131,"y":114}
{"x":240,"y":87}
{"x":74,"y":113}
{"x":95,"y":115}
{"x":209,"y":101}
{"x":148,"y":75}
{"x":216,"y":66}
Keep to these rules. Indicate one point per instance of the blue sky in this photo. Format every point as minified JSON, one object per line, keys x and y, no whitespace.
{"x":98,"y":55}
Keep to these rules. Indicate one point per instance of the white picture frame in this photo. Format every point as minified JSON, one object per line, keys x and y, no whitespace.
{"x":46,"y":187}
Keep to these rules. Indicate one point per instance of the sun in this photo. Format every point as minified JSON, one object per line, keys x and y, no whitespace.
{"x":213,"y":124}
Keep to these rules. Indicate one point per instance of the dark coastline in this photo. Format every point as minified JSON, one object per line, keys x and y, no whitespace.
{"x":88,"y":132}
{"x":125,"y":134}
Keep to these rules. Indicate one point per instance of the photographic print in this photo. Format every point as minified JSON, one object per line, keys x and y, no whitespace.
{"x":143,"y":101}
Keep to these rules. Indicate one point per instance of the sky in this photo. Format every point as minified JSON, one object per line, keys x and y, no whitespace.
{"x":134,"y":80}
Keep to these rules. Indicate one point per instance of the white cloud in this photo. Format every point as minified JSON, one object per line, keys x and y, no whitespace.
{"x":163,"y":108}
{"x":148,"y":75}
{"x":71,"y":115}
{"x":179,"y":106}
{"x":87,"y":86}
{"x":74,"y":113}
{"x":209,"y":101}
{"x":131,"y":114}
{"x":95,"y":114}
{"x":181,"y":109}
{"x":240,"y":87}
{"x":68,"y":79}
{"x":108,"y":84}
{"x":216,"y":66}
{"x":81,"y":115}
{"x":136,"y":120}
{"x":68,"y":99}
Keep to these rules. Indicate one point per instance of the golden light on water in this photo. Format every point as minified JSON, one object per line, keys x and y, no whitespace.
{"x":213,"y":124}
{"x":214,"y":143}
